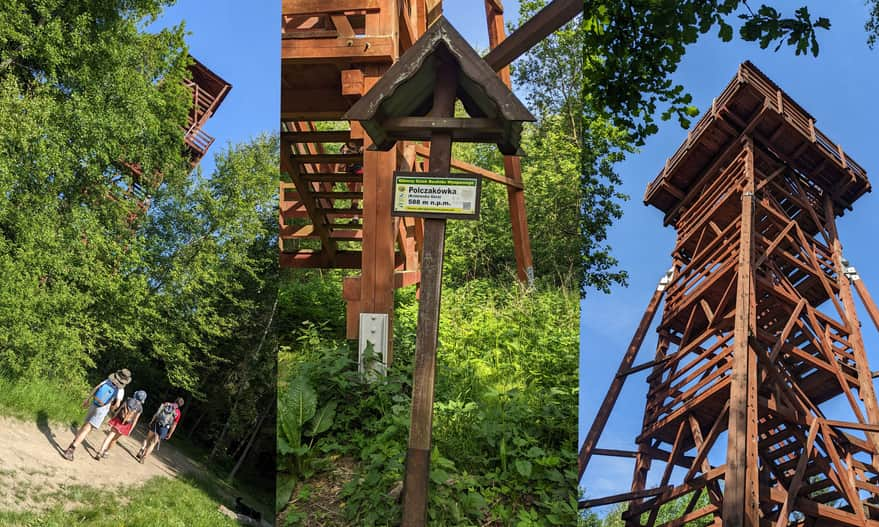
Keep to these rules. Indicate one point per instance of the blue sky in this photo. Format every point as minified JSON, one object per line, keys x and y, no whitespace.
{"x":240,"y":41}
{"x":839,"y":89}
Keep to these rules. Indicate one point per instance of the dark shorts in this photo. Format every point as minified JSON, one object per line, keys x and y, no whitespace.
{"x":161,"y":431}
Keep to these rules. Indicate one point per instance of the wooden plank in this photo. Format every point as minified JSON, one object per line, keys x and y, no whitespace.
{"x":309,"y":136}
{"x":343,"y":26}
{"x":796,"y":481}
{"x":614,"y":453}
{"x":616,"y":386}
{"x":619,"y":498}
{"x":308,"y":259}
{"x":866,"y":391}
{"x":338,"y":50}
{"x":469,"y":168}
{"x":494,"y":14}
{"x":867,"y":300}
{"x":319,"y":7}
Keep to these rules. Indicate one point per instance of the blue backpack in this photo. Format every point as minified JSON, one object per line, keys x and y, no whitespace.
{"x":105,"y":394}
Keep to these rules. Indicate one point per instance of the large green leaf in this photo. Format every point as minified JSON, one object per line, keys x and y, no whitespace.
{"x":322,"y":420}
{"x":296,"y":408}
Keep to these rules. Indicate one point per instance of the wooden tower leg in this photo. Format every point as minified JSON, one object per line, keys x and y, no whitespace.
{"x":377,"y":278}
{"x":619,"y":379}
{"x":512,"y":165}
{"x":741,"y":498}
{"x":866,"y":392}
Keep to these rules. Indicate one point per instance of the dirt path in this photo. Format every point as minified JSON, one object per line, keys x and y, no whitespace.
{"x":32,"y":469}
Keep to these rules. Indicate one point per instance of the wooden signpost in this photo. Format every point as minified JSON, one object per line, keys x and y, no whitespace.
{"x":415,"y":100}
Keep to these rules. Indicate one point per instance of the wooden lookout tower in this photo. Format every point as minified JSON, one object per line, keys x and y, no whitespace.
{"x":758,"y":331}
{"x":335,"y":208}
{"x":208,"y":91}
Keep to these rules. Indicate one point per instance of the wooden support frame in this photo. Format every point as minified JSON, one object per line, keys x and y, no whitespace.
{"x":759,"y":329}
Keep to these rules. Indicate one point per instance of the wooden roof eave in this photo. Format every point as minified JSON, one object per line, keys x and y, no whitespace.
{"x":479,"y":85}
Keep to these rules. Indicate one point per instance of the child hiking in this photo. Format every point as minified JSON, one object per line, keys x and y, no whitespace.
{"x":162,"y":427}
{"x":104,"y":397}
{"x":123,"y":422}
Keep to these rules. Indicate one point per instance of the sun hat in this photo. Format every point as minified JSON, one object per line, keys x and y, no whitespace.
{"x":134,"y":404}
{"x":121,"y":377}
{"x":140,"y":395}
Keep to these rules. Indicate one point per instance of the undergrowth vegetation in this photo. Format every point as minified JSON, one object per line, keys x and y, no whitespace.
{"x":504,"y":418}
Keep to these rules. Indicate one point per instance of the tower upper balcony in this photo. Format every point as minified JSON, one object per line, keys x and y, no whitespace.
{"x":208,"y":91}
{"x":752,"y":105}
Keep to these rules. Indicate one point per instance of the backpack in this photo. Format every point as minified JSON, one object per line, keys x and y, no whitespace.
{"x":167,"y":414}
{"x":105,"y":393}
{"x":130,"y":410}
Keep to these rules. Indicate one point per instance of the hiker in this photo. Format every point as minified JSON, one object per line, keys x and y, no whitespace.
{"x":351,"y":147}
{"x":106,"y":396}
{"x":161,"y":426}
{"x":123,"y":422}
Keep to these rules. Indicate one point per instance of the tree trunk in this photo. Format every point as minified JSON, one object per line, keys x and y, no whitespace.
{"x":225,"y":430}
{"x":249,"y":444}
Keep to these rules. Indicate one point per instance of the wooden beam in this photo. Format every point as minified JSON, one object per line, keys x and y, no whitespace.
{"x":494,"y":15}
{"x":619,"y":498}
{"x":320,"y":7}
{"x":538,"y":27}
{"x":338,"y":50}
{"x":741,"y":499}
{"x":616,"y":385}
{"x":310,"y":259}
{"x":308,"y":136}
{"x":416,"y":481}
{"x":457,"y":164}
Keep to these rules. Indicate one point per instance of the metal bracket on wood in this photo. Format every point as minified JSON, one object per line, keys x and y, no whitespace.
{"x":849,"y":270}
{"x":666,"y":279}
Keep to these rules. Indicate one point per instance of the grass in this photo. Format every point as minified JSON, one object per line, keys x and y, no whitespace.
{"x":45,"y":401}
{"x":42,"y":399}
{"x":160,"y":501}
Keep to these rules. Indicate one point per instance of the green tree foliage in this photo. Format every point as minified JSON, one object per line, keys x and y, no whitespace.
{"x":547,"y":77}
{"x":184,"y":296}
{"x":632,"y":48}
{"x":79,"y":89}
{"x":573,"y":148}
{"x":668,"y":512}
{"x":872,"y":25}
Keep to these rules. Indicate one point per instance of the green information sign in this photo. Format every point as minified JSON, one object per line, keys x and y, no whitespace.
{"x":452,"y":196}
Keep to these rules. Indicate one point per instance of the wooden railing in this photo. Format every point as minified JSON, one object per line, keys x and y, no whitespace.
{"x":785,"y":106}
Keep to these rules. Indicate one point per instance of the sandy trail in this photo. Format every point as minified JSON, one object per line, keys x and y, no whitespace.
{"x":32,"y":468}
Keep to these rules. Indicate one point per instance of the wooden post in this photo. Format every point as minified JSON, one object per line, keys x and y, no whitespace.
{"x":866,"y":391}
{"x":741,"y":499}
{"x":512,"y":166}
{"x":619,"y":379}
{"x":415,"y":484}
{"x":377,"y":278}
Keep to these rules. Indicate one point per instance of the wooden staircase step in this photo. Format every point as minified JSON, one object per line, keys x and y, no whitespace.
{"x":334,"y":177}
{"x":308,"y":258}
{"x":293,"y":210}
{"x":341,"y":213}
{"x":309,"y":232}
{"x":337,"y":195}
{"x":309,"y":136}
{"x":344,"y":225}
{"x":304,"y":159}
